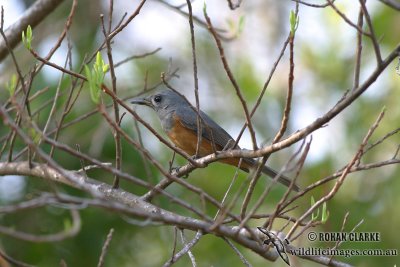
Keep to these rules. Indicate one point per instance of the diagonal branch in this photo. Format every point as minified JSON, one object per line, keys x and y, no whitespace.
{"x":70,"y":232}
{"x":33,"y":16}
{"x":120,"y":201}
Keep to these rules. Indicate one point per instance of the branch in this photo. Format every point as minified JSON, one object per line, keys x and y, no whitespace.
{"x":120,"y":201}
{"x":372,"y":36}
{"x":340,"y":181}
{"x":117,"y":137}
{"x":302,"y":133}
{"x":232,"y":79}
{"x":347,"y":99}
{"x":13,"y":261}
{"x":32,"y":16}
{"x":125,"y":202}
{"x":313,"y":5}
{"x":67,"y":233}
{"x":185,"y":249}
{"x":346,"y":19}
{"x":105,"y":248}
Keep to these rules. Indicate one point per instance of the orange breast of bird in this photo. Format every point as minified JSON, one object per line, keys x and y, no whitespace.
{"x":186,"y":139}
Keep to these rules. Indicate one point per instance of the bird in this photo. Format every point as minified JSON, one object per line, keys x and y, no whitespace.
{"x":179,"y":121}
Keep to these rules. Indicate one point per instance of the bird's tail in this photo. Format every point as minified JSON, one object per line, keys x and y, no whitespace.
{"x":271,"y":173}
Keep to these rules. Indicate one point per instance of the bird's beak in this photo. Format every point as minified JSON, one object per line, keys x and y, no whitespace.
{"x":141,"y":101}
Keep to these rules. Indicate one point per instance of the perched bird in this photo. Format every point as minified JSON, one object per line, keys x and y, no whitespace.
{"x":179,"y":121}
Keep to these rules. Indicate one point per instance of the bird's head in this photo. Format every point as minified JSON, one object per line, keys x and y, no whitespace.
{"x":162,"y":101}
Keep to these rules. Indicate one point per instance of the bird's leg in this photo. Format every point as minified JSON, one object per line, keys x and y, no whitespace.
{"x":194,"y":157}
{"x":175,"y":170}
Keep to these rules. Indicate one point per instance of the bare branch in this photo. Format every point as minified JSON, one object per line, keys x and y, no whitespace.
{"x":340,"y":181}
{"x":346,"y":19}
{"x":116,"y":65}
{"x":242,"y":258}
{"x":13,"y":261}
{"x":357,"y":67}
{"x":300,"y":134}
{"x":33,"y":16}
{"x":232,"y":79}
{"x":373,"y":37}
{"x":313,"y":5}
{"x":33,"y":141}
{"x":117,"y":137}
{"x":185,"y":249}
{"x":67,"y":233}
{"x":122,"y":201}
{"x":105,"y":248}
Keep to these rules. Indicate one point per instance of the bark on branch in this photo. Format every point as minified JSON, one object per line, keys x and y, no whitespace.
{"x":120,"y":201}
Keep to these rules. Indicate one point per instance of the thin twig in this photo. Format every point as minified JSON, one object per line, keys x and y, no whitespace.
{"x":105,"y":248}
{"x":237,"y":252}
{"x":340,"y":181}
{"x":13,"y":261}
{"x":313,"y":5}
{"x":231,"y":78}
{"x":372,"y":35}
{"x":286,"y":112}
{"x":185,"y":249}
{"x":357,"y":66}
{"x":37,"y":12}
{"x":116,"y":65}
{"x":346,"y":19}
{"x":117,"y":137}
{"x":47,"y":62}
{"x":70,"y":232}
{"x":196,"y":79}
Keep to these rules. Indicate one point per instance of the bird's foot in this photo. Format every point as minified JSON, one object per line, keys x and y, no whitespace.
{"x":175,"y":170}
{"x":194,"y":157}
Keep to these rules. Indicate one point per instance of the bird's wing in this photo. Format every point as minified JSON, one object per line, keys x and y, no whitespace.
{"x":210,"y":129}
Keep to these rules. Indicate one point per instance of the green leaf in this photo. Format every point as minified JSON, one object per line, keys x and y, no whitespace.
{"x":88,"y":73}
{"x":325,"y":213}
{"x":95,"y":93}
{"x":241,"y":24}
{"x":94,"y":90}
{"x":95,"y":77}
{"x":294,"y":22}
{"x":23,"y":38}
{"x":27,"y":38}
{"x":314,"y":217}
{"x":29,"y":33}
{"x":106,"y":67}
{"x":98,"y":59}
{"x":12,"y":84}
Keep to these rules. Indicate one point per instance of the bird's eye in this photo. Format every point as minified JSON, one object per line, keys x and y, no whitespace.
{"x":157,"y":99}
